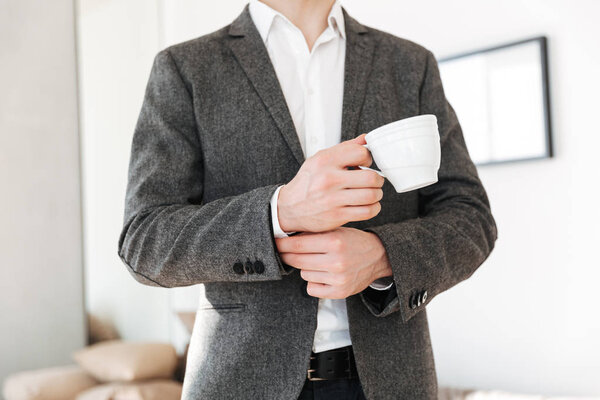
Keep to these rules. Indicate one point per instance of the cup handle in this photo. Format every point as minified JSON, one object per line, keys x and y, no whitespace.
{"x":370,"y":169}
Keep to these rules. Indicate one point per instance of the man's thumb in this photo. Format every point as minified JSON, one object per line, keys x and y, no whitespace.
{"x":360,"y":139}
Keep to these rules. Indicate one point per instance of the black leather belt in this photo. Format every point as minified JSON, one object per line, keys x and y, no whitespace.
{"x":332,"y":364}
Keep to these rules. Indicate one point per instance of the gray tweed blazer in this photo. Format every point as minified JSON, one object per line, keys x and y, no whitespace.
{"x":213,"y":141}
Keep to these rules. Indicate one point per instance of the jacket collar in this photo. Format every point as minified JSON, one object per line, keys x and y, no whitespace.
{"x":243,"y":24}
{"x":249,"y":49}
{"x":263,"y":17}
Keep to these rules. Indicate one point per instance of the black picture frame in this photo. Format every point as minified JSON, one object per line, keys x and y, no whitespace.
{"x":542,"y":41}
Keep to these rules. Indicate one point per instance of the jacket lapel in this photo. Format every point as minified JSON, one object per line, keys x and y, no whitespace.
{"x":252,"y":55}
{"x":358,"y":64}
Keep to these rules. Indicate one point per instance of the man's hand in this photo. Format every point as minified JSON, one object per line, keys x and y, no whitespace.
{"x":338,"y":263}
{"x":325,"y":195}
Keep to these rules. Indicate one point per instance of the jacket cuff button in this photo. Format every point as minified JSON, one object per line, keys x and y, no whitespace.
{"x":411,"y":302}
{"x":238,"y":268}
{"x":248,"y":268}
{"x":259,"y":267}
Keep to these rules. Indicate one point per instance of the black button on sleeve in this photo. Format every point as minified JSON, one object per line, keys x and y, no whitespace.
{"x":238,"y":268}
{"x":422,"y":296}
{"x":411,"y":302}
{"x":248,"y":268}
{"x":259,"y":267}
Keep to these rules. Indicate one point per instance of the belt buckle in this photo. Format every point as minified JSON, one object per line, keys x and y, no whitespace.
{"x":309,"y":371}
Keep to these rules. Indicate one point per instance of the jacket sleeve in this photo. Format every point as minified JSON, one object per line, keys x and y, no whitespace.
{"x":455,"y":231}
{"x":170,"y":237}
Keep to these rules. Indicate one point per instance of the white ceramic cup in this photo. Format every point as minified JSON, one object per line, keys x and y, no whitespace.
{"x":407,"y":152}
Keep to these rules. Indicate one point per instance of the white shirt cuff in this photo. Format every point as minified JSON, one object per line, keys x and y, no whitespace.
{"x":277,"y":231}
{"x":381,"y":286}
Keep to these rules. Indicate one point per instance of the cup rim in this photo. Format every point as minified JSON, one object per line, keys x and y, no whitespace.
{"x":381,"y":140}
{"x":407,"y":123}
{"x":377,"y":134}
{"x":401,"y":132}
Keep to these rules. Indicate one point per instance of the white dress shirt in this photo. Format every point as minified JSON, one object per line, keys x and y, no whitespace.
{"x":313,"y":85}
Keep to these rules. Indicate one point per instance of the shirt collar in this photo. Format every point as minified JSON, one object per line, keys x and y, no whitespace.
{"x":263,"y":17}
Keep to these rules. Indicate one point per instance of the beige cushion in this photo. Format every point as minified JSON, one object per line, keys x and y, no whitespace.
{"x":100,"y":330}
{"x":447,"y":393}
{"x":57,"y":383}
{"x":150,"y":390}
{"x":120,"y":361}
{"x":187,"y":318}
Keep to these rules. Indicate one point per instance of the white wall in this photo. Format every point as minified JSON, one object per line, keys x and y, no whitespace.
{"x":526,"y":320}
{"x":117,"y":41}
{"x":41,"y":299}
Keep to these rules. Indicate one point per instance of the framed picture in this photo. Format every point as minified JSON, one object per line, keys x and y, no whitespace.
{"x":501,"y":98}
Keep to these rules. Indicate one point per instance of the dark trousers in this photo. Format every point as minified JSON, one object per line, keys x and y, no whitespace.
{"x":338,"y":389}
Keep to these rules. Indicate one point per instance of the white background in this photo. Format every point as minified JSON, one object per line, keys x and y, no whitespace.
{"x":41,"y":297}
{"x":527,"y":321}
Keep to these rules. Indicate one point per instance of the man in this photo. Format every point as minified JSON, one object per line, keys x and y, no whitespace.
{"x":252,"y":133}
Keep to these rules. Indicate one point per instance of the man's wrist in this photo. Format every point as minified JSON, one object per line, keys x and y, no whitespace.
{"x":383,"y":277}
{"x":278,"y":231}
{"x":280,"y":212}
{"x":382,"y":268}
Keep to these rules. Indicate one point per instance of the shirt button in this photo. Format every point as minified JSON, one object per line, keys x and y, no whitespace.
{"x":313,"y":140}
{"x":311,"y":91}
